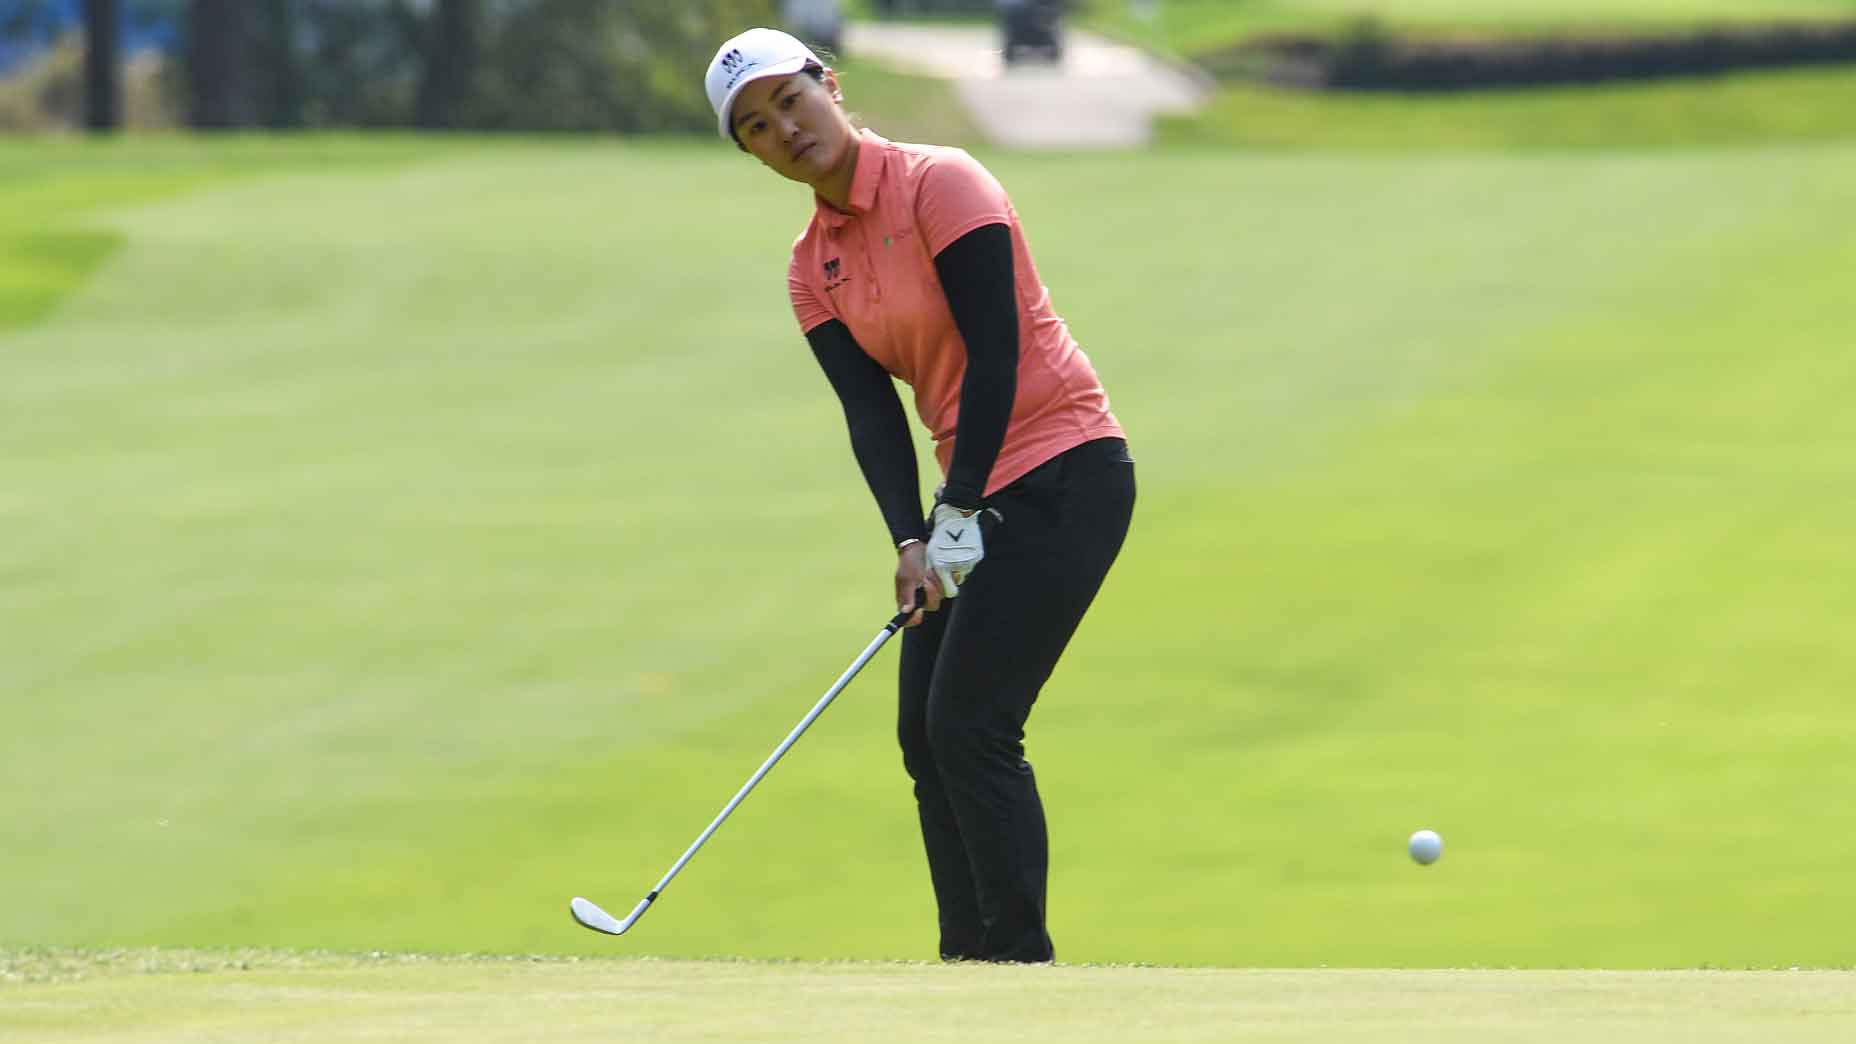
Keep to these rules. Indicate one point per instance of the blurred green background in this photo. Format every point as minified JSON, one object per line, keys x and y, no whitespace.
{"x":386,"y":522}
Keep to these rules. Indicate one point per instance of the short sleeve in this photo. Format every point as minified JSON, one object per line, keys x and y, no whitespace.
{"x":807,"y":308}
{"x":958,"y":195}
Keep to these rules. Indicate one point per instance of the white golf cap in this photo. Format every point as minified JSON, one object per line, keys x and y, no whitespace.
{"x":750,"y":56}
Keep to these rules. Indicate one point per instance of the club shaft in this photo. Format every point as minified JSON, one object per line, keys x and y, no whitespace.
{"x":778,"y":752}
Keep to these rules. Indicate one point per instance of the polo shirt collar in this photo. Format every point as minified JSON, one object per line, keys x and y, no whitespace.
{"x":870,"y":153}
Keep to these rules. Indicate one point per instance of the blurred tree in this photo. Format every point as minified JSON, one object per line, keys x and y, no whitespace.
{"x":630,"y":67}
{"x":453,"y":45}
{"x":218,"y":95}
{"x":49,"y":59}
{"x":278,"y":86}
{"x":31,"y":21}
{"x":363,"y":59}
{"x":567,"y":65}
{"x":102,"y":64}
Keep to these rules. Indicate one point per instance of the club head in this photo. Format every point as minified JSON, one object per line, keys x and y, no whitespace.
{"x":591,"y":916}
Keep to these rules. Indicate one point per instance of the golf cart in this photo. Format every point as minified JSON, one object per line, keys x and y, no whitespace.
{"x":1031,"y":26}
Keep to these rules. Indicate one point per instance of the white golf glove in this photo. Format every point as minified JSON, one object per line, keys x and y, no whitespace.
{"x":955,"y":547}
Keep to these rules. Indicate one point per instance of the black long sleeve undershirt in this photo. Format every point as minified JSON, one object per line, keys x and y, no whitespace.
{"x":977,"y":276}
{"x":976,"y":272}
{"x":879,"y":429}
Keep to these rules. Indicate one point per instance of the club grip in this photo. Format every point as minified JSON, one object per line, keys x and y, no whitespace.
{"x":901,"y":619}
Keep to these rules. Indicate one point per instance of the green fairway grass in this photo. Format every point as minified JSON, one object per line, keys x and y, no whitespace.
{"x":52,"y":184}
{"x":199,"y":997}
{"x":1742,"y":109}
{"x":1191,"y":26}
{"x":394,"y":551}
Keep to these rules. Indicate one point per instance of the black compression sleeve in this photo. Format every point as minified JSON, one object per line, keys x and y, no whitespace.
{"x":976,"y":273}
{"x":879,"y":429}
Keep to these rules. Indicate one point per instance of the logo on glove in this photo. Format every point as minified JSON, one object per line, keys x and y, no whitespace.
{"x":955,"y":547}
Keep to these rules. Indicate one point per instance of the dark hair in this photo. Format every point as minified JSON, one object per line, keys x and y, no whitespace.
{"x":812,"y":69}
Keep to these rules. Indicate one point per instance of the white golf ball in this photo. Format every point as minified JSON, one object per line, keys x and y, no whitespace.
{"x":1426,"y":846}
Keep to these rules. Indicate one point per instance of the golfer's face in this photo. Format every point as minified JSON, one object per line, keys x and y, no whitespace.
{"x":793,"y":124}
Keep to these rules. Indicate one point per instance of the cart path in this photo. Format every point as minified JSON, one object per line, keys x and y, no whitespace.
{"x":1103,"y":95}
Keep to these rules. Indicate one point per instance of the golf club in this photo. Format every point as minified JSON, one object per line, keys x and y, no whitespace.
{"x":590,"y":915}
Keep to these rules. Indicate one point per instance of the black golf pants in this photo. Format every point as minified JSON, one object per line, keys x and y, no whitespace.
{"x":970,"y":674}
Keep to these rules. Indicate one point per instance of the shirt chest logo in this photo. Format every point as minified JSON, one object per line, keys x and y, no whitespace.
{"x":834,"y":275}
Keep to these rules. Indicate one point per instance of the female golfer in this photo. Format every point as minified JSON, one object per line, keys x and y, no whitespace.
{"x":914,"y":266}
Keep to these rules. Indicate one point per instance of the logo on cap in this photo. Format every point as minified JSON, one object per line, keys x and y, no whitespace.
{"x":734,"y":63}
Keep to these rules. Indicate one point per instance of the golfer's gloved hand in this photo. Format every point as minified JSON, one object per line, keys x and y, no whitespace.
{"x":955,"y":547}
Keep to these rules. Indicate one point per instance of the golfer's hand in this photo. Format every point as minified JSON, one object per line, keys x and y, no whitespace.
{"x":912,"y":575}
{"x":955,"y":547}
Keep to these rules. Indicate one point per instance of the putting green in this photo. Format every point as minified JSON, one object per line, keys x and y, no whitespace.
{"x":147,"y":997}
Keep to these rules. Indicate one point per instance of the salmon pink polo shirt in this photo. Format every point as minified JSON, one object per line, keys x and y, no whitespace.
{"x":872,"y":268}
